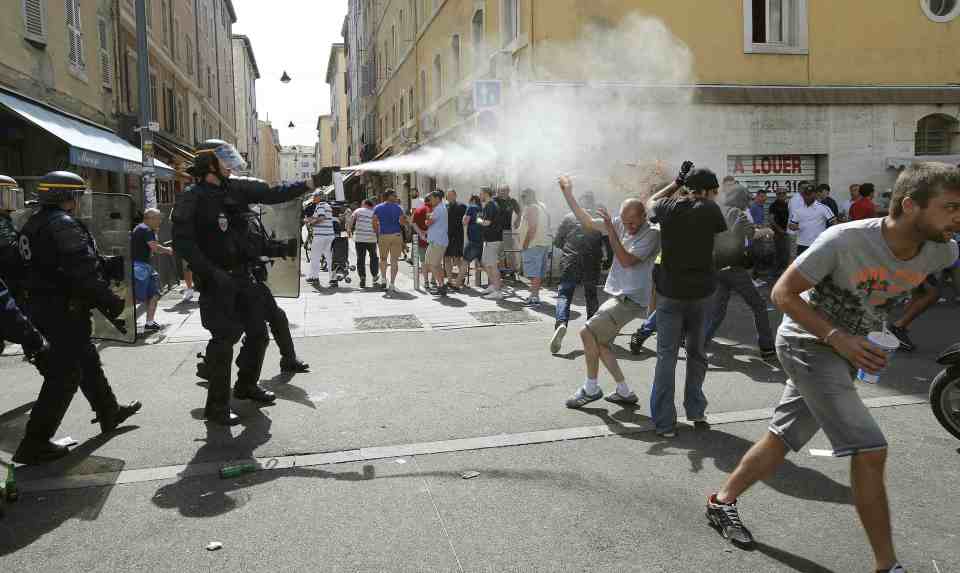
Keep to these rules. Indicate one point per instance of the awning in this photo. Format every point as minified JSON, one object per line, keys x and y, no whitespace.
{"x":899,"y":163}
{"x":173,"y":149}
{"x":89,"y":146}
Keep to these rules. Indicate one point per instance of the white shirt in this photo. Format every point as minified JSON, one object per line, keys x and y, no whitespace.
{"x":795,"y":203}
{"x":417,"y":203}
{"x":362,"y":226}
{"x":323,"y":228}
{"x":812,"y":219}
{"x":634,"y":282}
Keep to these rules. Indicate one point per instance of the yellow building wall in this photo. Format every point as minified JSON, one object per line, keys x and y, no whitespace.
{"x":25,"y":67}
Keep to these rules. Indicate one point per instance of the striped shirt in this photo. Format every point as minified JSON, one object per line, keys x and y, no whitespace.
{"x":323,"y":228}
{"x":362,"y":226}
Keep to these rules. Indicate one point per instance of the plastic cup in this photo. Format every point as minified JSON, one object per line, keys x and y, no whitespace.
{"x":886,"y":342}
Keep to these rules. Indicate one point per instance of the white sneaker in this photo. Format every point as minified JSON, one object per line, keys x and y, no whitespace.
{"x":494,"y":295}
{"x":557,"y":341}
{"x":188,"y":294}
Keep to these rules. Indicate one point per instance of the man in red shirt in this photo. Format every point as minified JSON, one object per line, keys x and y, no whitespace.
{"x":420,"y":226}
{"x":863,"y":208}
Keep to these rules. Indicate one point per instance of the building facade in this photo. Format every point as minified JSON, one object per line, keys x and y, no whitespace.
{"x":339,"y":114}
{"x":326,"y":144}
{"x":268,"y":142}
{"x":297,"y":162}
{"x":839,"y":92}
{"x":246,"y":73}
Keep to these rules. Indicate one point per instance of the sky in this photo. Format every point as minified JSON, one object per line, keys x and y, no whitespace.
{"x":292,"y":35}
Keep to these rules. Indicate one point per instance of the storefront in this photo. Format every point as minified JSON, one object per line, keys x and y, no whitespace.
{"x":39,"y":139}
{"x":773,"y":173}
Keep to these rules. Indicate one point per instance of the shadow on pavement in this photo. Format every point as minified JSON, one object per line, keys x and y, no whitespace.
{"x":282,"y":387}
{"x":36,"y":515}
{"x":794,"y":562}
{"x":738,"y":359}
{"x":725,"y":450}
{"x":13,"y":424}
{"x":205,"y":496}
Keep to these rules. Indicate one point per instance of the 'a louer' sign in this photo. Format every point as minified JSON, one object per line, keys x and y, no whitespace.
{"x":772,"y":173}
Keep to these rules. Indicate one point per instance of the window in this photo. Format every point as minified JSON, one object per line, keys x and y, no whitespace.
{"x":165,"y":22}
{"x":173,"y":40}
{"x":169,"y":113}
{"x":937,"y":134}
{"x":130,"y":85}
{"x":511,"y":21}
{"x":35,"y":21}
{"x":154,"y":100}
{"x":403,"y":36}
{"x":74,"y":35}
{"x":106,"y":59}
{"x":437,"y":77}
{"x":181,"y":126}
{"x":775,"y":26}
{"x":209,"y":84}
{"x":189,"y":55}
{"x":396,"y":46}
{"x":455,"y":54}
{"x":402,"y":114}
{"x":477,"y":29}
{"x":148,"y":5}
{"x":305,"y":164}
{"x":410,"y":99}
{"x":941,"y":10}
{"x":394,"y":115}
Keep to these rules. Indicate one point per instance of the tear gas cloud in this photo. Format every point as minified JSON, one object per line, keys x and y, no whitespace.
{"x":609,"y":108}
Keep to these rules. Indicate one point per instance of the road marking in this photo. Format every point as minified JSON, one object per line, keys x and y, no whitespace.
{"x":403,"y":450}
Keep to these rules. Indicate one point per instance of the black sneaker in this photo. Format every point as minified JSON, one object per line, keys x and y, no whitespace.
{"x":363,"y":283}
{"x":637,"y":339}
{"x":152,"y":327}
{"x":768,"y":354}
{"x":294,"y":366}
{"x":111,"y":420}
{"x":32,"y":452}
{"x":904,"y":337}
{"x":725,"y":518}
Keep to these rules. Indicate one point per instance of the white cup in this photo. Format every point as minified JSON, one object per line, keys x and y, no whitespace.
{"x":886,"y":342}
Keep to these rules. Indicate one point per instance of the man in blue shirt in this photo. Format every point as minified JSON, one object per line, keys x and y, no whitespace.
{"x":437,"y":238}
{"x":757,"y":207}
{"x":146,"y":281}
{"x":388,"y":218}
{"x":473,"y":251}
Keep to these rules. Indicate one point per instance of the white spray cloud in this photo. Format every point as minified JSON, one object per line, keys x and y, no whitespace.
{"x":610,"y":107}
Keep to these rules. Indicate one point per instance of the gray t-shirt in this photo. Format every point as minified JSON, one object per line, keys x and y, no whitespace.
{"x":634,"y":282}
{"x":858,"y":278}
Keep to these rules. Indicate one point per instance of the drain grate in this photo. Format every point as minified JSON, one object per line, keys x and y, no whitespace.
{"x":396,"y":322}
{"x":503,"y":316}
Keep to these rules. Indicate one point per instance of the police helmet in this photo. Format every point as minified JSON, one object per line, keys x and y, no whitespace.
{"x":58,"y":186}
{"x":11,"y":195}
{"x":216,"y":153}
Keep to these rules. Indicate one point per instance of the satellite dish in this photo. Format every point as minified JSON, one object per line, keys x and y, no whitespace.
{"x":285,"y":78}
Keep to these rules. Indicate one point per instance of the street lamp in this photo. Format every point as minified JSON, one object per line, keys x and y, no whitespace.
{"x":285,"y":78}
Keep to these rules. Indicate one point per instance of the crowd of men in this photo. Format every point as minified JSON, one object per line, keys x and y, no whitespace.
{"x":675,"y":257}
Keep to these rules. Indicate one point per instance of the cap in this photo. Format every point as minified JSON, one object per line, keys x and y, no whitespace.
{"x":702,"y":179}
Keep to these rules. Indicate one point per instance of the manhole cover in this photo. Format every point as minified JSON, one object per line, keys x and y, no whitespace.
{"x":503,"y":316}
{"x":402,"y":321}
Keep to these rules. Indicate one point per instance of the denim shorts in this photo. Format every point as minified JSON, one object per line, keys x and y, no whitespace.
{"x":821,"y":394}
{"x":146,"y":282}
{"x":534,"y":262}
{"x":473,"y":252}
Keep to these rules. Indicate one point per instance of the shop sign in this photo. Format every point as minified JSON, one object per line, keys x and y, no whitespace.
{"x":772,"y":173}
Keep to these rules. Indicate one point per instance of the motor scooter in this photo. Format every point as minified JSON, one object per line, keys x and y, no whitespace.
{"x":945,"y":391}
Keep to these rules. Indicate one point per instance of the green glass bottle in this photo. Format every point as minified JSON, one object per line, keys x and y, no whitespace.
{"x":227,"y":472}
{"x":13,"y":494}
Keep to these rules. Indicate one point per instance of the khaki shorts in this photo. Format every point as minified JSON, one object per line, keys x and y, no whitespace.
{"x":491,"y":254}
{"x":612,"y":316}
{"x":390,"y":246}
{"x":435,"y":253}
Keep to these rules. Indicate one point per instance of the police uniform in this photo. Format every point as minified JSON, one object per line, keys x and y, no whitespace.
{"x":11,"y":268}
{"x":64,"y":281}
{"x":217,"y":234}
{"x":14,"y":326}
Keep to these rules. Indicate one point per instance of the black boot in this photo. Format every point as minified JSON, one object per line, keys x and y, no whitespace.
{"x":33,"y":452}
{"x":255,"y":393}
{"x":111,"y":420}
{"x":294,"y":366}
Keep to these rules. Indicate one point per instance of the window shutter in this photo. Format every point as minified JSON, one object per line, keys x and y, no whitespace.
{"x":106,"y":62}
{"x":74,"y":37}
{"x":35,"y":20}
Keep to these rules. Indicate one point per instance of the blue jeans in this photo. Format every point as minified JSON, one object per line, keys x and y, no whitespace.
{"x":738,"y":280}
{"x":674,"y":316}
{"x":565,"y":297}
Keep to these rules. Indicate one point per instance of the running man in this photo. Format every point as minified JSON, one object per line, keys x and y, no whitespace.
{"x":831,"y":300}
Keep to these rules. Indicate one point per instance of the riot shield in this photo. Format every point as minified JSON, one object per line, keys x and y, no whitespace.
{"x":282,"y":223}
{"x":110,"y":221}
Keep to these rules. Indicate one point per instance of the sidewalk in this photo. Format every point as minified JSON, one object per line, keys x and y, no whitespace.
{"x":348,"y":309}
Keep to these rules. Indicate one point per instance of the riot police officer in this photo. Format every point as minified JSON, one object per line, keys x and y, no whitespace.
{"x":11,"y":199}
{"x":16,"y":328}
{"x":215,"y":231}
{"x":64,"y":281}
